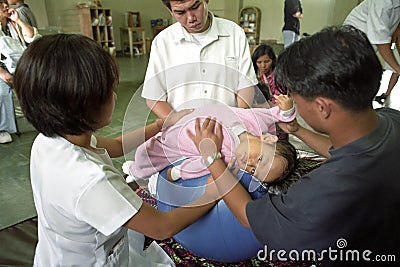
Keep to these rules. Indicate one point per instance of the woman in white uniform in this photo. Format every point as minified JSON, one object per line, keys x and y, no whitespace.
{"x":84,"y":205}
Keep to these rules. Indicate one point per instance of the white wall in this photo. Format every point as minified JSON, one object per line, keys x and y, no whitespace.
{"x":38,"y":8}
{"x":317,"y":13}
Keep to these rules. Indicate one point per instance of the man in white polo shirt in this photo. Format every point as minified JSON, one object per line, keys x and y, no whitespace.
{"x":198,"y":60}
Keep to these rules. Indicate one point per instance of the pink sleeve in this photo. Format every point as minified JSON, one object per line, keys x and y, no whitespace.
{"x":277,"y":116}
{"x":150,"y":158}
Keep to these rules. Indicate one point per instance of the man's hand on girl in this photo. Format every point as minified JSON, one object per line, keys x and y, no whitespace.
{"x":207,"y":137}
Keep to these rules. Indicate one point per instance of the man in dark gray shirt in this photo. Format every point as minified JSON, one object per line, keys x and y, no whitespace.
{"x":346,"y":212}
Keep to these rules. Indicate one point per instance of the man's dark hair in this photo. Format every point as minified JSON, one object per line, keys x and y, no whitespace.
{"x":167,"y":3}
{"x":338,"y":63}
{"x":63,"y":81}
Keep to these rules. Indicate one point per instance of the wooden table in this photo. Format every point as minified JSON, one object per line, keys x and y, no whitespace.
{"x":133,"y":32}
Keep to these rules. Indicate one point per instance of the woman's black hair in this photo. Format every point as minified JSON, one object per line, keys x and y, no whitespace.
{"x":261,"y":50}
{"x":63,"y":81}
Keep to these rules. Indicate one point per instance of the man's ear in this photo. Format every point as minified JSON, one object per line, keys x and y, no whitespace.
{"x":270,"y":138}
{"x":324,"y":106}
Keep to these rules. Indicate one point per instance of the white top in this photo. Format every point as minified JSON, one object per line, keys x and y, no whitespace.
{"x":209,"y":68}
{"x":378,"y":19}
{"x":82,"y":202}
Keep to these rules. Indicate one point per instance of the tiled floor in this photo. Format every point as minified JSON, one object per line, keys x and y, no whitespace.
{"x":16,"y":203}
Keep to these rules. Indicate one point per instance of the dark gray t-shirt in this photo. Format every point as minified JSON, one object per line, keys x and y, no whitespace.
{"x":354,"y":195}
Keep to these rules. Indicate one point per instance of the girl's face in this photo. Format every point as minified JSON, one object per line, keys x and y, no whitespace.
{"x":258,"y":158}
{"x":264,"y":64}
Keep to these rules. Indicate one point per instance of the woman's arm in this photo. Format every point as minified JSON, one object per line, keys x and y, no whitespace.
{"x":117,"y":147}
{"x":160,"y":225}
{"x":6,"y":77}
{"x":27,"y":30}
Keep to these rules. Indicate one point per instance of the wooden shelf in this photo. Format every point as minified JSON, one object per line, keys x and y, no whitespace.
{"x":249,"y":20}
{"x":96,"y":23}
{"x":134,"y":38}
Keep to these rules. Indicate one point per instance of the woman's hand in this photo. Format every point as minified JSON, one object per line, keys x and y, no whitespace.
{"x":13,"y":14}
{"x":207,"y":137}
{"x":174,"y":117}
{"x":6,"y":77}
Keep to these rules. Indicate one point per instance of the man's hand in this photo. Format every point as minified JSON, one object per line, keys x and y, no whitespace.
{"x":289,"y":127}
{"x":207,"y":137}
{"x":284,"y":102}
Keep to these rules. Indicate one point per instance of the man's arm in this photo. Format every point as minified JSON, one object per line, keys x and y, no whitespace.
{"x":161,"y":108}
{"x":318,"y":142}
{"x":116,"y":147}
{"x":245,"y":97}
{"x":387,"y":54}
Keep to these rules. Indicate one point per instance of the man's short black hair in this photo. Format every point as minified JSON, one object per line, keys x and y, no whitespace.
{"x":338,"y":63}
{"x":63,"y":81}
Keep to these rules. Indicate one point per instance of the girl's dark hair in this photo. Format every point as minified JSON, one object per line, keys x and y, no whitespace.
{"x":261,"y":50}
{"x":63,"y":81}
{"x":289,"y":153}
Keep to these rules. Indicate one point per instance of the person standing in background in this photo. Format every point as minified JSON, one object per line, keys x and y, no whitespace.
{"x":394,"y":77}
{"x":200,"y":59}
{"x":25,"y":13}
{"x":12,"y":26}
{"x":379,"y":21}
{"x":293,"y":12}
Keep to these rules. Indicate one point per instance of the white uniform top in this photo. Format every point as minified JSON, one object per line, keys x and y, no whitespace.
{"x":377,"y":19}
{"x":82,"y":202}
{"x":208,"y":67}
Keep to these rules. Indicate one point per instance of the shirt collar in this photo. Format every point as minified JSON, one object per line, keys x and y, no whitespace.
{"x":215,"y":31}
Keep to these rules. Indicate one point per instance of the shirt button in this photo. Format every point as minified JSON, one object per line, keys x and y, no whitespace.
{"x":205,"y":91}
{"x":204,"y":71}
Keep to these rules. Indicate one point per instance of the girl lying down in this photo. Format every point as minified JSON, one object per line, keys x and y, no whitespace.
{"x":246,"y":137}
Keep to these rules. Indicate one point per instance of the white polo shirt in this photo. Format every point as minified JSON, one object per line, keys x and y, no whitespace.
{"x":190,"y":70}
{"x":82,"y":203}
{"x":377,"y":19}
